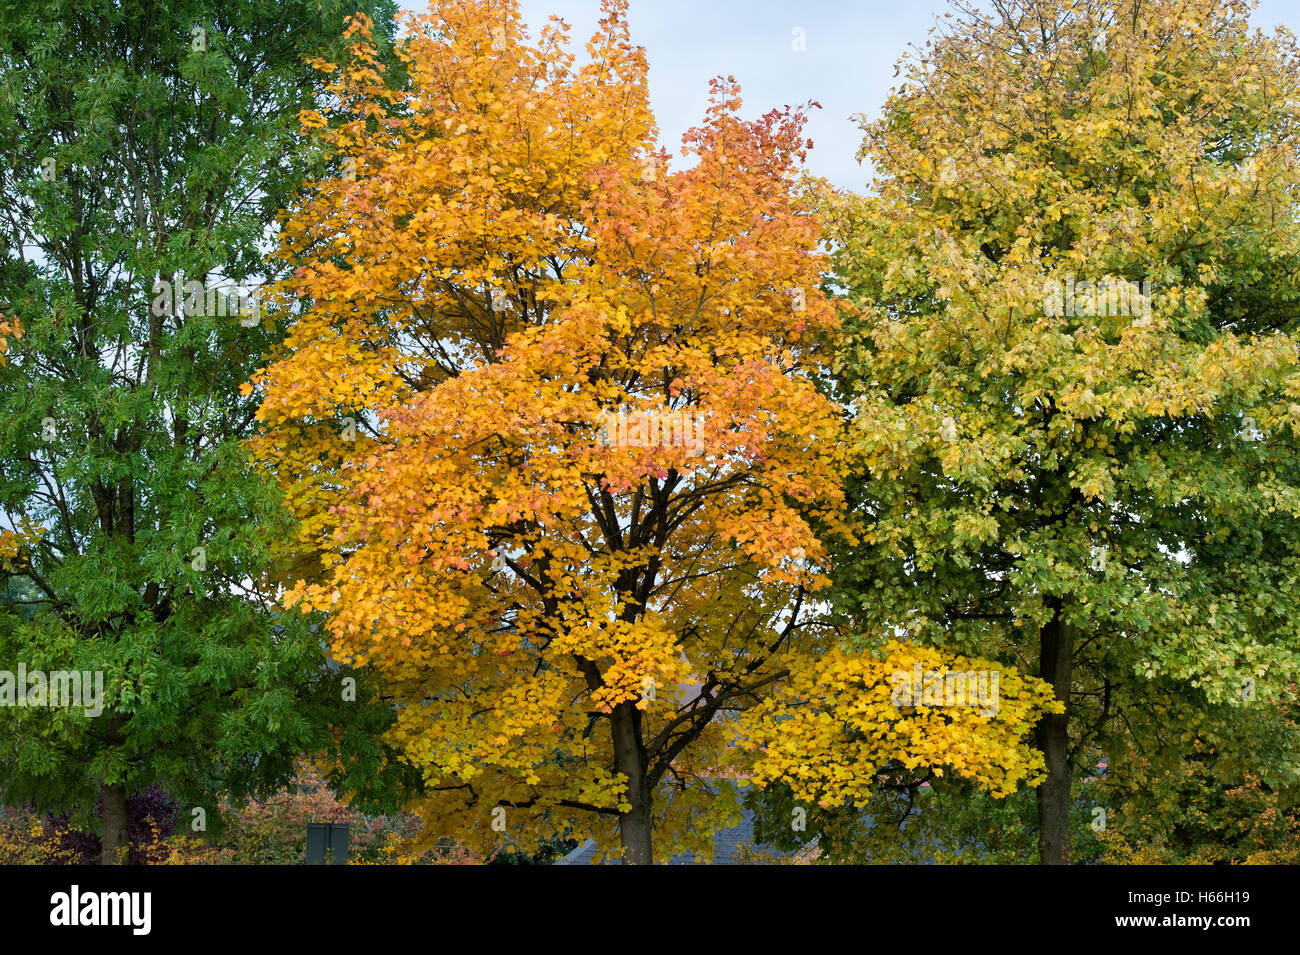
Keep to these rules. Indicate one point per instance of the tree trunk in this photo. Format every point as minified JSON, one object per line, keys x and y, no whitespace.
{"x":116,"y":837}
{"x":630,"y":760}
{"x":1056,"y":658}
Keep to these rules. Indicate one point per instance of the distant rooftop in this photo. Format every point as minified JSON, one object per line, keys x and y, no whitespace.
{"x":734,"y":846}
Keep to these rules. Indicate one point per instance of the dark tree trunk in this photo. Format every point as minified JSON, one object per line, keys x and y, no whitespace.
{"x":630,"y":760}
{"x":1056,"y":657}
{"x":116,"y":838}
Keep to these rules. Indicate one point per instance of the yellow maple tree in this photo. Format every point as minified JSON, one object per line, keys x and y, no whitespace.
{"x":548,"y":415}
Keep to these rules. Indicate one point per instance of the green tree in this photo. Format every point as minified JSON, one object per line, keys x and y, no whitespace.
{"x":1231,"y":795}
{"x":1073,"y":365}
{"x":148,"y":145}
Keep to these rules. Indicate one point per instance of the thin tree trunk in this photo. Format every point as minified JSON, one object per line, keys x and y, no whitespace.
{"x":630,"y":760}
{"x":116,"y":838}
{"x":1056,"y":657}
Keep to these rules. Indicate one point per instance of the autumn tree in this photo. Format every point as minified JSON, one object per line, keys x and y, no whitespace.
{"x":1224,"y":800}
{"x":1073,"y":369}
{"x":146,"y":146}
{"x":547,"y":416}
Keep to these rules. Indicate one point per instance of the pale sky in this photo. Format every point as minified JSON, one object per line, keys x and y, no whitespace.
{"x":851,"y":47}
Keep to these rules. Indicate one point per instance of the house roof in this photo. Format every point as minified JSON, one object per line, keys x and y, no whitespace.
{"x":732,"y":846}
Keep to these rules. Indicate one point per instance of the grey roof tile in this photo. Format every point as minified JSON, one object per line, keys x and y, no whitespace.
{"x":730,"y":847}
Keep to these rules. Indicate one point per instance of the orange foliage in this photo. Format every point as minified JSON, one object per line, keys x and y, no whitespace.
{"x":548,"y":415}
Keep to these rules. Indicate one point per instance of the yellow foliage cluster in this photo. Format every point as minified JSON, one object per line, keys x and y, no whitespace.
{"x":843,"y":718}
{"x":14,"y":542}
{"x":9,"y":328}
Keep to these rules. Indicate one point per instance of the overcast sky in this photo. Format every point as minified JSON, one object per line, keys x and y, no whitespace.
{"x":851,"y":47}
